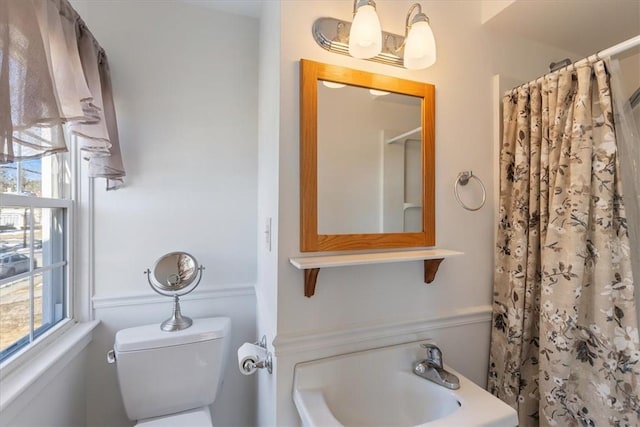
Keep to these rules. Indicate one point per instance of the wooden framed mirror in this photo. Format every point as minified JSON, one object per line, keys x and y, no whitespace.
{"x":367,"y":160}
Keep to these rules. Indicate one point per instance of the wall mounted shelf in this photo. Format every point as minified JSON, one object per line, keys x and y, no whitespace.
{"x":312,"y":264}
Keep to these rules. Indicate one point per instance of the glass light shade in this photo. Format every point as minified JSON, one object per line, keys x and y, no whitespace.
{"x":420,"y":48}
{"x":332,"y":85}
{"x":376,"y":92}
{"x":365,"y":38}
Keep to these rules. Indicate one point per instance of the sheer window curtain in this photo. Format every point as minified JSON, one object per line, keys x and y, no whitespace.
{"x":628,"y":136}
{"x":55,"y":82}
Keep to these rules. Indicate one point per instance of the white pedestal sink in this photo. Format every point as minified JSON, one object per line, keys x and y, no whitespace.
{"x":378,"y":388}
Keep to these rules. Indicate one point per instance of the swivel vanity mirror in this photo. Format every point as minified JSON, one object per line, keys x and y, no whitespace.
{"x":367,"y":160}
{"x":175,"y":274}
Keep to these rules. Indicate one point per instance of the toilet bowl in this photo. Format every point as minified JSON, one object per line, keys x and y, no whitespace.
{"x":171,"y":378}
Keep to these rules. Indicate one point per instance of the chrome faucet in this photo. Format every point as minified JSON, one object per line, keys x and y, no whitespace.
{"x":434,"y":355}
{"x":431,"y":368}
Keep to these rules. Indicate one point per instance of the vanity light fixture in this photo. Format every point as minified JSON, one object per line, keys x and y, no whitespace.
{"x":420,"y":45}
{"x":360,"y":39}
{"x":365,"y":37}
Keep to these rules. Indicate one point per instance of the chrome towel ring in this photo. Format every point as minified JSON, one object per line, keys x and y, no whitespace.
{"x":463,"y":179}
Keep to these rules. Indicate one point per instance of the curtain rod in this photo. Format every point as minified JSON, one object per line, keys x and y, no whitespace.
{"x":606,"y":53}
{"x":620,"y":47}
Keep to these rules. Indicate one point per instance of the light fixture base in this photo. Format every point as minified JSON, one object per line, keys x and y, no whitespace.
{"x":333,"y":35}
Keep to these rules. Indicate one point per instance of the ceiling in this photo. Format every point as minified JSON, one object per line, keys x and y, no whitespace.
{"x":250,"y":8}
{"x":581,"y":26}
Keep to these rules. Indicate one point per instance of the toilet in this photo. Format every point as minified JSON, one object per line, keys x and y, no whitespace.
{"x":171,"y":378}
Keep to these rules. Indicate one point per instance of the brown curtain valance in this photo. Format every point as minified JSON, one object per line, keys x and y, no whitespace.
{"x":54,"y":83}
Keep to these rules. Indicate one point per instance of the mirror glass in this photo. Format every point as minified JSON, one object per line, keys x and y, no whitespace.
{"x":367,"y":160}
{"x":369,"y":166}
{"x":175,"y":271}
{"x":172,"y":274}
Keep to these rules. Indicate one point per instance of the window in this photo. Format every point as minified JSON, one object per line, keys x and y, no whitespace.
{"x":35,"y":236}
{"x":44,"y":114}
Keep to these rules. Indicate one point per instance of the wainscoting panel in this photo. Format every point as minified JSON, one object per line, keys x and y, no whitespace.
{"x":361,"y":337}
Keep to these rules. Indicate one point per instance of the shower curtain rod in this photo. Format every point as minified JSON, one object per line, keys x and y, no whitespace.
{"x":619,"y":48}
{"x":606,"y":53}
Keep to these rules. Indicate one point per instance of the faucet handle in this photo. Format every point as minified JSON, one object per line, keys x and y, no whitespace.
{"x":430,"y":347}
{"x":434,"y":354}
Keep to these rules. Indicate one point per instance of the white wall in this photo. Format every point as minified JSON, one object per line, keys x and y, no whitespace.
{"x":373,"y":296}
{"x":186,"y":100}
{"x":56,"y":399}
{"x":462,"y":77}
{"x":186,"y":104}
{"x":268,"y":198}
{"x":367,"y":306}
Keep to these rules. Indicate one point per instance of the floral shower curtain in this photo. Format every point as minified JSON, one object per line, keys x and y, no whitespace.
{"x":564,"y":344}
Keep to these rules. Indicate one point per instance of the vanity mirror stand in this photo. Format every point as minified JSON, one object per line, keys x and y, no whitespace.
{"x":174,"y":275}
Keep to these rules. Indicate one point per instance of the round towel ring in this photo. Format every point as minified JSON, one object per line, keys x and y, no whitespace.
{"x":463,"y":179}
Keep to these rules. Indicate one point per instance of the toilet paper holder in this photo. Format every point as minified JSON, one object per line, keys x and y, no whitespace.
{"x":250,"y":366}
{"x":266,"y":363}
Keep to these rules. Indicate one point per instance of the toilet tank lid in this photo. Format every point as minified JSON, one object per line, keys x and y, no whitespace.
{"x":151,"y":336}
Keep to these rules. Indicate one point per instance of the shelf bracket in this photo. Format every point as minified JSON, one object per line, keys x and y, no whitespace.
{"x":431,"y":268}
{"x":311,"y":275}
{"x":310,"y":279}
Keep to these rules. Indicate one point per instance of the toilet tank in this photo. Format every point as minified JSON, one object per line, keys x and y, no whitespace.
{"x":161,"y":373}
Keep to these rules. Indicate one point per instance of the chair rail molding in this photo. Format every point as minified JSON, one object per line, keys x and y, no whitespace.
{"x":343,"y":340}
{"x":205,"y":292}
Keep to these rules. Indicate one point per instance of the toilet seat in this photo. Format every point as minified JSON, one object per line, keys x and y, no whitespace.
{"x":200,"y":417}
